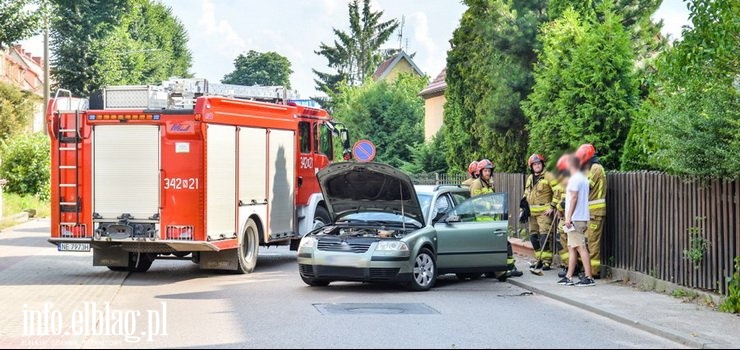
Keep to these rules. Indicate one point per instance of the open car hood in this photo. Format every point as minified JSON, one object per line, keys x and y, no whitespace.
{"x":351,"y":187}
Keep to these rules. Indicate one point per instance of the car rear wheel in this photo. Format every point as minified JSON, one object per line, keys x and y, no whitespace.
{"x":313,"y":282}
{"x":500,"y":275}
{"x":468,"y":276}
{"x":424,"y":273}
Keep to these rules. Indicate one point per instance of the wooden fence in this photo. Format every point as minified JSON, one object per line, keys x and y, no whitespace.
{"x":650,"y":220}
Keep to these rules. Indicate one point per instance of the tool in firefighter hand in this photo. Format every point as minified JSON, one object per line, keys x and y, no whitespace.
{"x":537,"y":267}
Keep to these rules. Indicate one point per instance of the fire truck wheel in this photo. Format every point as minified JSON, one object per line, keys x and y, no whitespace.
{"x":321,"y":217}
{"x":248,"y":248}
{"x":118,"y":268}
{"x":140,"y":262}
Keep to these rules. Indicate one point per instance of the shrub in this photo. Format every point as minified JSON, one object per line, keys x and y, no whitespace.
{"x":26,"y":164}
{"x":732,"y":302}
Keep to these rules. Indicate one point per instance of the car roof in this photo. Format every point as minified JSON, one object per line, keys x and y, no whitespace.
{"x":432,"y":189}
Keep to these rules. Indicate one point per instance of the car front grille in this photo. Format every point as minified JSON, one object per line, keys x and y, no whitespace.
{"x":343,"y":246}
{"x":348,"y":273}
{"x":380,"y":274}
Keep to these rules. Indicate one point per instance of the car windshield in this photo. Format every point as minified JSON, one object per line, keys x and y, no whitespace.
{"x":425,"y":200}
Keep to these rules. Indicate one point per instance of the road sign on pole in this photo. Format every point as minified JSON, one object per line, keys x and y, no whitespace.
{"x":364,"y":151}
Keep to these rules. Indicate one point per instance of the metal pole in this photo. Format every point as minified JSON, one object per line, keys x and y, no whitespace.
{"x":46,"y":64}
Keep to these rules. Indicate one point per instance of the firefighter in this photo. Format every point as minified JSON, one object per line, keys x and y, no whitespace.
{"x":472,"y":173}
{"x":558,"y":195}
{"x":596,"y":202}
{"x":538,"y":197}
{"x":483,"y":183}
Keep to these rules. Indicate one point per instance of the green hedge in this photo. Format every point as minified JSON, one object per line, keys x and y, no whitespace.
{"x":26,"y":164}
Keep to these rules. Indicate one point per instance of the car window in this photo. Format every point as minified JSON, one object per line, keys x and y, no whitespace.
{"x":489,"y":207}
{"x":460,"y":196}
{"x":443,"y":204}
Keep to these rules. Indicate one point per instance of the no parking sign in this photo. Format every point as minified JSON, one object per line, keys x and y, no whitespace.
{"x":364,"y":151}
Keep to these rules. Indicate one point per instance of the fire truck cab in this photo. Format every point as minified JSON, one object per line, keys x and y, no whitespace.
{"x":186,"y":170}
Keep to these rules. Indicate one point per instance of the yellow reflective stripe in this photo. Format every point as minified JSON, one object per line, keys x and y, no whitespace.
{"x":597,"y":201}
{"x":597,"y":206}
{"x":538,"y":208}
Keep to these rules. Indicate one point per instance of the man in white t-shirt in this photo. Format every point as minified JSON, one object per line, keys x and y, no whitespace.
{"x":576,"y":222}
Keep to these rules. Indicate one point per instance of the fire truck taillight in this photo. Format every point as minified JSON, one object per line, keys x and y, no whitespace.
{"x":179,"y":232}
{"x":124,"y":117}
{"x":72,"y":230}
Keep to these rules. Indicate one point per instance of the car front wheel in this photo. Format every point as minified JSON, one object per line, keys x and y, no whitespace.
{"x":424,"y":273}
{"x":313,"y":282}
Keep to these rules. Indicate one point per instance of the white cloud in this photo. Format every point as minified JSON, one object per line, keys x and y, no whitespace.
{"x":228,"y":42}
{"x":431,"y":53}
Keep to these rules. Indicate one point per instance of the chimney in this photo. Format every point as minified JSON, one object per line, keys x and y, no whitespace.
{"x":37,"y":59}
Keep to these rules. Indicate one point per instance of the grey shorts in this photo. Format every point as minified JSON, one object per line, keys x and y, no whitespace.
{"x":578,"y":237}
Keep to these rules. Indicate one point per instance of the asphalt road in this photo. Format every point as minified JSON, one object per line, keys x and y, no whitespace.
{"x":272,"y":308}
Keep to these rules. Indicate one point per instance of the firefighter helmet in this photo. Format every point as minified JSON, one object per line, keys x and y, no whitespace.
{"x":473,"y":168}
{"x":484,"y":164}
{"x":585,"y":153}
{"x":536,"y":158}
{"x":563,"y":163}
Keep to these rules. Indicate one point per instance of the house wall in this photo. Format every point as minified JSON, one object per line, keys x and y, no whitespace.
{"x":401,"y":67}
{"x":433,"y":115}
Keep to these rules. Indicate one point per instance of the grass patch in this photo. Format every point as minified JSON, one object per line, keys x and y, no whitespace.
{"x":16,"y":204}
{"x":686,"y":295}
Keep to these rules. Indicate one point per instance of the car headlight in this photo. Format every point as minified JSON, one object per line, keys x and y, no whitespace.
{"x":307,"y":242}
{"x":393,"y":245}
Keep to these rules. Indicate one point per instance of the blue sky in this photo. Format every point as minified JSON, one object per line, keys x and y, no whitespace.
{"x":221,"y":29}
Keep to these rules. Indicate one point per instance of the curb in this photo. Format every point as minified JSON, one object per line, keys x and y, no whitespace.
{"x":641,"y":325}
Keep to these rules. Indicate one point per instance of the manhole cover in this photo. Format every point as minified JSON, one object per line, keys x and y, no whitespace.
{"x":375,"y":309}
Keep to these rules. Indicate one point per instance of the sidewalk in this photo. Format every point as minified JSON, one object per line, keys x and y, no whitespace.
{"x":659,"y":314}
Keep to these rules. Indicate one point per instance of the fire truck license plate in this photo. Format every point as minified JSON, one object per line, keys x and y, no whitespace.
{"x":74,"y":247}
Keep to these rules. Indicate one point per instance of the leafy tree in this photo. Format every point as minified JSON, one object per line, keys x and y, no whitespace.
{"x":17,"y":22}
{"x":27,"y":164}
{"x":260,"y":68}
{"x":355,"y":54}
{"x":16,"y":110}
{"x":635,"y":16}
{"x":98,"y":43}
{"x":584,"y":89}
{"x":694,"y":115}
{"x":390,"y":114}
{"x":427,"y":157}
{"x":488,"y":75}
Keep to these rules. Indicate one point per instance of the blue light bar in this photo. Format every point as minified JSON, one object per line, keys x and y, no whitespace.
{"x":91,"y":117}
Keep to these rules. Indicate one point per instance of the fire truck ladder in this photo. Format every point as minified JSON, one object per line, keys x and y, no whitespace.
{"x":69,"y":137}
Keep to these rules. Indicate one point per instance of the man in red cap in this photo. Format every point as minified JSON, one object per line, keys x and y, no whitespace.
{"x":596,"y":175}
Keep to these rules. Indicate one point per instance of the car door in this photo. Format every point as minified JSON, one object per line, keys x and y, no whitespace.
{"x":473,"y":236}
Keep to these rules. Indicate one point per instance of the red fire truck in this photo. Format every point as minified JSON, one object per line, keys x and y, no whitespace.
{"x":179,"y":171}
